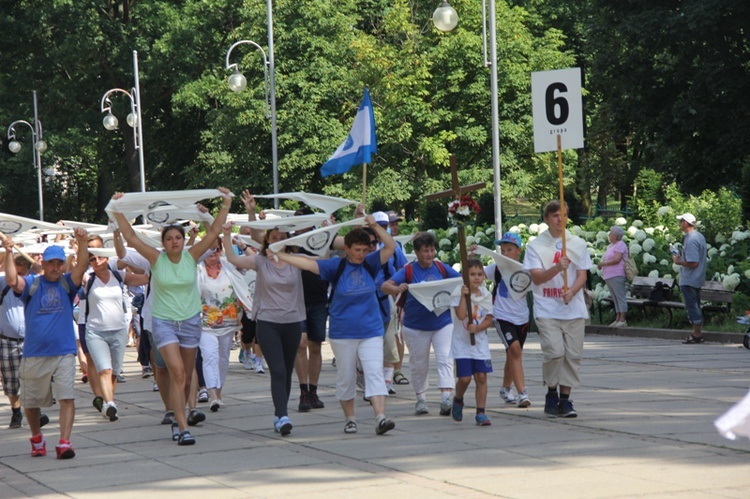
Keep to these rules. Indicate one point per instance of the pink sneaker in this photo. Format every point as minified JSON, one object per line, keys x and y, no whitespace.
{"x":65,"y":450}
{"x":38,"y":446}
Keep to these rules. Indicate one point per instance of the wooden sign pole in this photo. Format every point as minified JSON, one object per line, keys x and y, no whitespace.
{"x":563,"y":211}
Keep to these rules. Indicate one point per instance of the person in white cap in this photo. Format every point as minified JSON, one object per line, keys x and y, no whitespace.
{"x":692,"y":262}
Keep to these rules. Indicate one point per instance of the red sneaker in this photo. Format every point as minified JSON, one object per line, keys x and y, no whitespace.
{"x":65,"y":450}
{"x":38,"y":446}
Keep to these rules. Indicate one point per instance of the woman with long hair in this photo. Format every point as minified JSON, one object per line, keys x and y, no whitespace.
{"x":176,"y":309}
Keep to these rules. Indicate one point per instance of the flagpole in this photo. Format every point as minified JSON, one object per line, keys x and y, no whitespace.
{"x":364,"y":184}
{"x":563,"y":211}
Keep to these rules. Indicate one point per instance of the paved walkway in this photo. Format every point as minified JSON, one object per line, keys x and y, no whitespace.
{"x":645,"y":429}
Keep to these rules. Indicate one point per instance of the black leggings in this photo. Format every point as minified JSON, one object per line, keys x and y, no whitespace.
{"x":279,"y":343}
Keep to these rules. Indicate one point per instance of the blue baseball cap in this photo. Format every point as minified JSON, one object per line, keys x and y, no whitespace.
{"x":510,"y":237}
{"x":53,"y":252}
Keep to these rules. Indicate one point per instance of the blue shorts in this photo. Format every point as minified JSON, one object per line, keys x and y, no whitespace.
{"x":692,"y":298}
{"x":187,"y":333}
{"x":315,"y":323}
{"x":107,"y":348}
{"x":465,"y":368}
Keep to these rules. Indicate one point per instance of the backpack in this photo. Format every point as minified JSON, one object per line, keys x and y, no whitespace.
{"x":498,"y":278}
{"x":340,"y":271}
{"x":409,"y":270}
{"x":90,"y":283}
{"x":631,"y":269}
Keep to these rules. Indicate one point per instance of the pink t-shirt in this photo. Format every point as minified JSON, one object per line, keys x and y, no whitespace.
{"x":609,"y":271}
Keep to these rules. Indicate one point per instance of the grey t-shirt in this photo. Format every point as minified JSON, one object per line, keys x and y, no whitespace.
{"x":694,"y":250}
{"x":278,"y":293}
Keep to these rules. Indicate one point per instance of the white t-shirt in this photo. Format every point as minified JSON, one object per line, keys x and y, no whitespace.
{"x":136,"y":260}
{"x":104,"y":303}
{"x":461,"y":347}
{"x":505,"y":307}
{"x":548,"y":301}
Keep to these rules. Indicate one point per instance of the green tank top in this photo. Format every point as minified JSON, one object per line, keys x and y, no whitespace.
{"x":175,"y":288}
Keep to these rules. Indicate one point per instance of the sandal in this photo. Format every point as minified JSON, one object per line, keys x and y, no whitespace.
{"x":400,"y":379}
{"x":350,"y":427}
{"x":185,"y":438}
{"x":693,"y":340}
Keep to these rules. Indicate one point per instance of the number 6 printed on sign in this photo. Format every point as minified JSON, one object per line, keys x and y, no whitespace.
{"x":557,"y":109}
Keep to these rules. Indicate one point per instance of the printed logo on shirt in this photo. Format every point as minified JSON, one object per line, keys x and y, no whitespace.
{"x":441,"y":300}
{"x":51,"y":302}
{"x":552,"y":292}
{"x":508,"y":335}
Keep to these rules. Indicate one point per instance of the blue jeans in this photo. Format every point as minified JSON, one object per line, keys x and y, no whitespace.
{"x":692,"y":298}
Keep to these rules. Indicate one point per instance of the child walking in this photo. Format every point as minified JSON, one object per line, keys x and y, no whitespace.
{"x":471,"y":360}
{"x":512,"y":323}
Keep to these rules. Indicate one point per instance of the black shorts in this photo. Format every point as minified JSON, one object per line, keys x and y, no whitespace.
{"x":248,"y":329}
{"x":510,"y":333}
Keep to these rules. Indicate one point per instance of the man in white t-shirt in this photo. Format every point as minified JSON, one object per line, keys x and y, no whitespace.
{"x":560,"y":313}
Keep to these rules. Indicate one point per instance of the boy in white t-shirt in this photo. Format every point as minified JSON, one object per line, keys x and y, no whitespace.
{"x":471,"y":360}
{"x":512,"y":324}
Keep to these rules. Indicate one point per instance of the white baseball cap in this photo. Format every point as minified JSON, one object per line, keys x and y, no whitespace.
{"x":689,"y":218}
{"x":380,"y":217}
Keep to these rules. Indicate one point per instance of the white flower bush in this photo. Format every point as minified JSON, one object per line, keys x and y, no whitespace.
{"x":470,"y":240}
{"x":635,"y":249}
{"x":534,"y":229}
{"x":647,"y":258}
{"x":620,"y":221}
{"x":720,"y":238}
{"x":445,"y":243}
{"x":675,"y":268}
{"x":653,"y":274}
{"x":542,"y":227}
{"x":663,"y":211}
{"x":631,"y":231}
{"x":640,"y":235}
{"x":649,"y":230}
{"x":747,"y":274}
{"x":731,"y":281}
{"x":602,"y":236}
{"x":664,"y":262}
{"x":730,"y":269}
{"x":712,"y":252}
{"x":649,"y":244}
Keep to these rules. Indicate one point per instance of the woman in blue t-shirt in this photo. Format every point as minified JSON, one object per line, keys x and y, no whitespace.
{"x":355,"y":324}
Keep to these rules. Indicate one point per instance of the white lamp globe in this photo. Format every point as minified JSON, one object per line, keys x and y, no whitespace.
{"x":132,"y":120}
{"x":40,"y":146}
{"x":110,"y":121}
{"x":237,"y":82}
{"x":445,"y":17}
{"x":14,"y":146}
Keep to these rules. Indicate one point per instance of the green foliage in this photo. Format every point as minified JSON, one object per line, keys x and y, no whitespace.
{"x":434,"y":215}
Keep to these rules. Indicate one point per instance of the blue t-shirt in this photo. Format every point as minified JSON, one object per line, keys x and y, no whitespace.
{"x":393,"y":265}
{"x":49,"y":318}
{"x":416,"y":316}
{"x":12,"y":322}
{"x":694,"y":250}
{"x":354,"y":311}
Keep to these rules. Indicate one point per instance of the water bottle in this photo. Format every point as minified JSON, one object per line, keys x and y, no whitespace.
{"x":673,"y":250}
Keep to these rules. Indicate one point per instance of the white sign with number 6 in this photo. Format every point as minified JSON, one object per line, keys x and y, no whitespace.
{"x":557,"y":107}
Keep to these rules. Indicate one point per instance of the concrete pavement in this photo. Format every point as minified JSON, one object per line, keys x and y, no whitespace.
{"x":644,"y":429}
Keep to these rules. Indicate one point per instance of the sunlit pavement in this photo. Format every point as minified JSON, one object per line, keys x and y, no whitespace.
{"x":645,"y":429}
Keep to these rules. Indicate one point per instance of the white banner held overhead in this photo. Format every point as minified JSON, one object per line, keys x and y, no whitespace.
{"x":557,"y":106}
{"x":329,"y":204}
{"x":317,"y":241}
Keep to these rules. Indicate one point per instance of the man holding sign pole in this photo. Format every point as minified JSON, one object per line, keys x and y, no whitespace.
{"x":560,"y":311}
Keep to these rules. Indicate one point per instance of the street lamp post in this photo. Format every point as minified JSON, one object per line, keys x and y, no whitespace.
{"x":39,"y":147}
{"x":237,"y":83}
{"x":111,"y":122}
{"x":445,"y":19}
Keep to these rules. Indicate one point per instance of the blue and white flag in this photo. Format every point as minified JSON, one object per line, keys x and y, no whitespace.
{"x":358,"y":146}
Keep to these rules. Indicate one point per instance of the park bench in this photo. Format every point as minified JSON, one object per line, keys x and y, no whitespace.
{"x":714,"y":297}
{"x":606,"y":213}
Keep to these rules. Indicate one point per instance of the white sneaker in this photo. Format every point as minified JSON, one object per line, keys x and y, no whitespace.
{"x":523,"y":399}
{"x":247,"y":363}
{"x":259,"y":366}
{"x":507,"y":395}
{"x":421,"y":407}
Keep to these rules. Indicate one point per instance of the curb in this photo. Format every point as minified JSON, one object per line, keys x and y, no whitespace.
{"x":666,"y":334}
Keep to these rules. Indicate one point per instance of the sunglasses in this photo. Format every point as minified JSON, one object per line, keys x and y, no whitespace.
{"x":374,"y":243}
{"x":94,"y":258}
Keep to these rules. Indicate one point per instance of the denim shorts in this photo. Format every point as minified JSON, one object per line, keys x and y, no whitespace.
{"x":315,"y":322}
{"x":692,"y":298}
{"x":107,"y":348}
{"x":187,"y":333}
